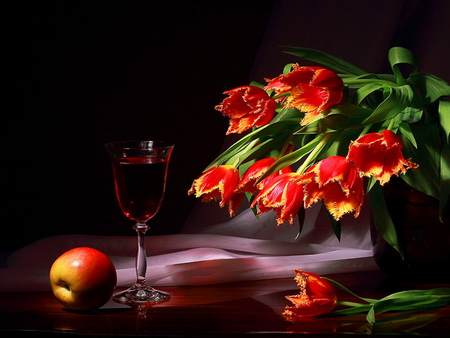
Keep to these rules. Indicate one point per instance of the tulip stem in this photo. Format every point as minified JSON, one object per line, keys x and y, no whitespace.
{"x":285,"y":146}
{"x":314,"y":152}
{"x":365,"y":130}
{"x":391,"y":124}
{"x":368,"y":300}
{"x":236,"y":159}
{"x":352,"y":304}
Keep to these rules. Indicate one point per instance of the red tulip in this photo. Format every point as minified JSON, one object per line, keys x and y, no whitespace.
{"x":219,"y":183}
{"x":283,"y":194}
{"x":312,"y":90}
{"x":338,"y":184}
{"x":380,"y":155}
{"x":247,"y":107}
{"x":317,"y":296}
{"x":255,"y":172}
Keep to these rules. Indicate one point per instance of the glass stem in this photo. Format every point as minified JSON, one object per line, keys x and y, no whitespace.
{"x":141,"y":257}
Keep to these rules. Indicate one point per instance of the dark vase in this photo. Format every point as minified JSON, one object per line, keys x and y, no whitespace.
{"x":424,"y":238}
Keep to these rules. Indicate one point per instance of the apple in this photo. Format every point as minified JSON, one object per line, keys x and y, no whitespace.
{"x":83,"y":278}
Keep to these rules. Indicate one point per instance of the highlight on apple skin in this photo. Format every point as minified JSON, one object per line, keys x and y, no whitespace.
{"x":83,"y":279}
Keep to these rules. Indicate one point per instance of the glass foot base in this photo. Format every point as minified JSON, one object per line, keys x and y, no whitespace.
{"x":141,"y":298}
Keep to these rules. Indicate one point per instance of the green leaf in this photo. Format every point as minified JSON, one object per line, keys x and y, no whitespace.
{"x":426,"y":177}
{"x":410,"y":300}
{"x":444,"y":117}
{"x":287,"y":69}
{"x":366,"y":90}
{"x":409,"y":115}
{"x":405,"y":129}
{"x":327,"y":124}
{"x":325,"y":59}
{"x":336,"y":226}
{"x":444,"y":197}
{"x":359,"y":81}
{"x":340,"y":141}
{"x":418,"y":300}
{"x":349,"y":110}
{"x":371,"y":181}
{"x":257,"y":84}
{"x":400,"y":55}
{"x":288,"y":114}
{"x":398,"y":99}
{"x":382,"y":219}
{"x":301,"y":215}
{"x":430,"y":86}
{"x":275,"y":127}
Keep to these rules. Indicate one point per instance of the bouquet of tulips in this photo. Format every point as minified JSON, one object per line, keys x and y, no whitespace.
{"x":332,"y":134}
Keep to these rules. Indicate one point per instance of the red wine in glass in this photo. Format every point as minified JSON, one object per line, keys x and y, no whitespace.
{"x":139,"y":185}
{"x":140,"y":174}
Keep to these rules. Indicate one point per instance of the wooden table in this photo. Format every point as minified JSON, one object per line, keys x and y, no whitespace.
{"x":225,"y":310}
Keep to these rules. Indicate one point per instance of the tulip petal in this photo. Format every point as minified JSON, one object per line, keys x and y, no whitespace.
{"x":247,"y":107}
{"x":337,"y":183}
{"x":219,"y":184}
{"x":379,"y":155}
{"x":312,"y":90}
{"x":284,"y":195}
{"x":317,"y":296}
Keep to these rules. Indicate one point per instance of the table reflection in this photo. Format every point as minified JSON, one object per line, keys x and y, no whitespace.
{"x":236,"y":309}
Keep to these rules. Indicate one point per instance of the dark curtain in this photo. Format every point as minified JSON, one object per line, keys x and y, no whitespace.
{"x":82,"y":73}
{"x":360,"y":32}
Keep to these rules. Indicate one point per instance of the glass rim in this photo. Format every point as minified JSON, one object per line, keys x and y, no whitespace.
{"x":135,"y":144}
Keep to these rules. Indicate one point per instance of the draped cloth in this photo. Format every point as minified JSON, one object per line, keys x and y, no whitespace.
{"x":212,"y":248}
{"x":241,"y":249}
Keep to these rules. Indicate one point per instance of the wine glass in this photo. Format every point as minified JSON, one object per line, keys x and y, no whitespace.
{"x":140,"y":172}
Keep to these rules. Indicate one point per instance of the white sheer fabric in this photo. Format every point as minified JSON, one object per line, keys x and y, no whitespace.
{"x":243,"y":248}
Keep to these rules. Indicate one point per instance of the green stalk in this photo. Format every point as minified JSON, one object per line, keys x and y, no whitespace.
{"x":235,"y":160}
{"x":352,"y":304}
{"x":365,"y":130}
{"x":391,"y":124}
{"x":368,"y":300}
{"x":314,"y":153}
{"x":362,"y":81}
{"x":285,"y":145}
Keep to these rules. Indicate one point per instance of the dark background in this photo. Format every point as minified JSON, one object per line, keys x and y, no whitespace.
{"x":83,"y":73}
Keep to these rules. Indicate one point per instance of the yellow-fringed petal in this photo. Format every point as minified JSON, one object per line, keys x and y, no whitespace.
{"x":247,"y":107}
{"x":316,"y":297}
{"x":379,"y":155}
{"x":219,"y":184}
{"x":311,"y":90}
{"x":338,"y":184}
{"x":283,"y":194}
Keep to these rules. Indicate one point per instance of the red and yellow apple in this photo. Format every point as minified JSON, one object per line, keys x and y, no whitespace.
{"x":83,"y":278}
